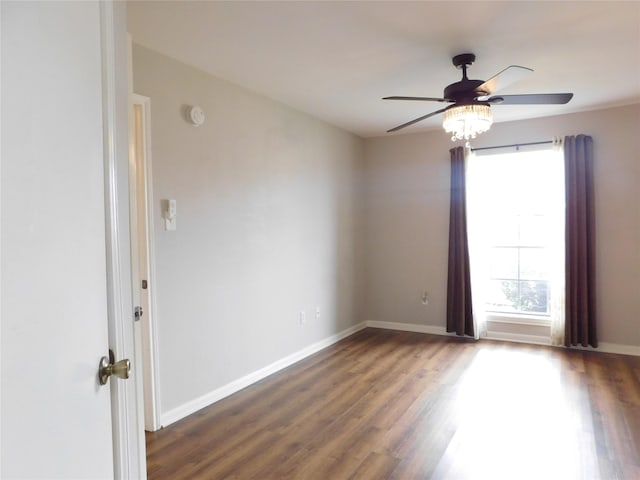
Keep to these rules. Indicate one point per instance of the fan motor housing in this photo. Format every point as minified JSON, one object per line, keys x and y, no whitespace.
{"x":463,"y":90}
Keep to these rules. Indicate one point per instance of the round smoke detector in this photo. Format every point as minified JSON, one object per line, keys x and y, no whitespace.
{"x":196,"y":116}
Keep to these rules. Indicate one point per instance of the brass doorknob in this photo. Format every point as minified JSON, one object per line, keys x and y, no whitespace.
{"x":107,"y":368}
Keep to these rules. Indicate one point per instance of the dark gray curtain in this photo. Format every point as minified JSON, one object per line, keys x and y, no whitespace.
{"x":580,"y":315}
{"x":459,"y":311}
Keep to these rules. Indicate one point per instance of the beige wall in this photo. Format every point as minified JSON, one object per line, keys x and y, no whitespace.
{"x":268,"y":224}
{"x":406,"y":217}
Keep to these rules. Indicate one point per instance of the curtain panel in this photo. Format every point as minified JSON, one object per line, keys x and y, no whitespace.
{"x":580,"y":301}
{"x":459,"y":306}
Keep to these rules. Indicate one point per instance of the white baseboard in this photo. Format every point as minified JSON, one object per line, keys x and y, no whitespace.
{"x":603,"y":347}
{"x":408,"y":327}
{"x":230,"y":388}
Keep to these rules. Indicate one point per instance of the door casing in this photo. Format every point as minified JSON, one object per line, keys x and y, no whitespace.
{"x":127,"y":417}
{"x":143,"y":256}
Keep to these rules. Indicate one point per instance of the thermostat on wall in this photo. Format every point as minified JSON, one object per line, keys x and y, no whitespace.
{"x":196,"y":116}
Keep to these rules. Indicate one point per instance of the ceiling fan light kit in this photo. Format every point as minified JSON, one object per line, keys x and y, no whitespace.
{"x":464,"y":122}
{"x":470,"y":114}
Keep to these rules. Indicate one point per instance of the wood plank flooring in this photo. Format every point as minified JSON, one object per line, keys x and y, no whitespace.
{"x":396,"y":405}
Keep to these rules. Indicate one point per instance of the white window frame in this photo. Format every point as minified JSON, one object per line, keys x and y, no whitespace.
{"x":512,"y":318}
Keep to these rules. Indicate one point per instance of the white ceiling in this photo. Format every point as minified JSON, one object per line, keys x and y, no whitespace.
{"x":336,"y":60}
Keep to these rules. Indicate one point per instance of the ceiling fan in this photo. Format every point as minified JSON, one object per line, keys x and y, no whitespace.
{"x":470,"y":112}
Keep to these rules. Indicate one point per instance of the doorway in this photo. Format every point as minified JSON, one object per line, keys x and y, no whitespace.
{"x":142,"y":264}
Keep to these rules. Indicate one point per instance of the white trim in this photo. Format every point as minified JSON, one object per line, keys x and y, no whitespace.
{"x":409,"y":327}
{"x":517,"y":337}
{"x":116,"y":296}
{"x":436,"y":330}
{"x":606,"y":347}
{"x":539,"y":321}
{"x":151,"y":374}
{"x":205,"y":400}
{"x":603,"y":347}
{"x":128,"y":436}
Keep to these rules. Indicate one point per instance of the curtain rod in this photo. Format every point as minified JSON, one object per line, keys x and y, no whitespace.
{"x":517,"y":145}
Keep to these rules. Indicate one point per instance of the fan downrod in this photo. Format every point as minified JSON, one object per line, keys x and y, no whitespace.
{"x":462,"y":61}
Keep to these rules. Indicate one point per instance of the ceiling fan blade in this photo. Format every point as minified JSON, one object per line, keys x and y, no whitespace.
{"x":424,"y":99}
{"x":395,"y":129}
{"x":530,"y":99}
{"x":509,"y":75}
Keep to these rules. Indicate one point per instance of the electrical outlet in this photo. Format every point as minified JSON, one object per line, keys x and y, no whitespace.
{"x":425,"y":298}
{"x":317,"y":313}
{"x":302,"y":318}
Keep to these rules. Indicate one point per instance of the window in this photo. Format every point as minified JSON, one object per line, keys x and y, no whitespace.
{"x":516,"y":207}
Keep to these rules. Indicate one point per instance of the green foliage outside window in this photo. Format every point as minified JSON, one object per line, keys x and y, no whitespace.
{"x":528,"y":296}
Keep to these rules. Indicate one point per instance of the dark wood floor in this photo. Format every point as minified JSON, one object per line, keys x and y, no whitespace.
{"x":397,"y":405}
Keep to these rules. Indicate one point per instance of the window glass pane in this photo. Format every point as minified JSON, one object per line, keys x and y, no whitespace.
{"x":533,"y":297}
{"x":516,"y":203}
{"x":504,"y":230}
{"x":504,"y":263}
{"x":534,"y":230}
{"x":534,"y":264}
{"x":502,"y":296}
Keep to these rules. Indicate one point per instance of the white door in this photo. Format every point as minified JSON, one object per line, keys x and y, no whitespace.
{"x":56,"y":420}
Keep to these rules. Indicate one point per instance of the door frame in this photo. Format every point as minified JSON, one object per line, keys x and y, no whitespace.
{"x":128,"y":434}
{"x":142,"y":189}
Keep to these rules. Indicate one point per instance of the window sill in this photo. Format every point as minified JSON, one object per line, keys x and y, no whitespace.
{"x":519,"y":319}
